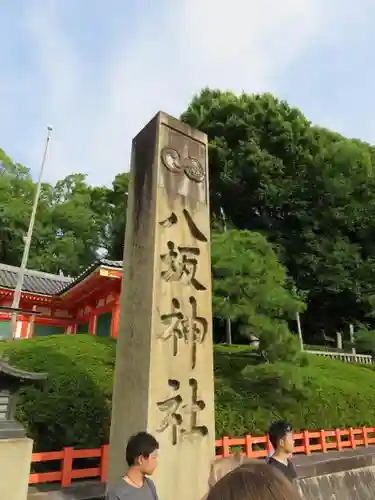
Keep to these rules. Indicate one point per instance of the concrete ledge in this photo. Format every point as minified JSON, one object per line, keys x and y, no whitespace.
{"x":348,"y":475}
{"x":333,"y":462}
{"x":87,"y":490}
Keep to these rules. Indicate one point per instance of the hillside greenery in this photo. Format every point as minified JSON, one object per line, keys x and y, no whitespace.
{"x":73,"y":407}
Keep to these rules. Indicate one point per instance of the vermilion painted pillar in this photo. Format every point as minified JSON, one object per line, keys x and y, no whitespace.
{"x":92,"y":322}
{"x":25,"y":327}
{"x":115,"y":319}
{"x":32,"y":323}
{"x":71,"y":329}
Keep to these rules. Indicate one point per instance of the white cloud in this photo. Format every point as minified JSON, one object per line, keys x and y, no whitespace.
{"x":239,"y":45}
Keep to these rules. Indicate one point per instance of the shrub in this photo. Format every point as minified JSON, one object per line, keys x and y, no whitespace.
{"x":364,"y":340}
{"x":73,"y":407}
{"x":321,"y":394}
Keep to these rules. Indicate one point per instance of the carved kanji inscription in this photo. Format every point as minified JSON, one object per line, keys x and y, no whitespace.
{"x":194,"y":230}
{"x":171,"y":407}
{"x":180,"y":264}
{"x":181,"y":417}
{"x":184,"y":326}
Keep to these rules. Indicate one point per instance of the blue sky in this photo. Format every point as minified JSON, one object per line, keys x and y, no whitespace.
{"x":97,"y":71}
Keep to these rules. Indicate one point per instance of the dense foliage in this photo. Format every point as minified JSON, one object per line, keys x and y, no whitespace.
{"x":73,"y":407}
{"x":309,"y":191}
{"x":251,"y":287}
{"x":74,"y":220}
{"x":323,"y":394}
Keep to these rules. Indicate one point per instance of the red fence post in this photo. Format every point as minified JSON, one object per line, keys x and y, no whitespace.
{"x":323,"y":442}
{"x":67,"y":466}
{"x":248,"y":445}
{"x":365,"y":436}
{"x":352,"y":438}
{"x":104,"y":463}
{"x":338,"y":439}
{"x":306,"y":442}
{"x":226,"y":446}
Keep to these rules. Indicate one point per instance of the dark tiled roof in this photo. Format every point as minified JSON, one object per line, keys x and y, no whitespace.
{"x":34,"y":281}
{"x":45,"y":283}
{"x":111,"y":263}
{"x":102,"y":262}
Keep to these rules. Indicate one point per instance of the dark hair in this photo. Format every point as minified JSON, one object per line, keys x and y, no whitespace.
{"x":254,"y":481}
{"x":277,"y":431}
{"x":140,"y":445}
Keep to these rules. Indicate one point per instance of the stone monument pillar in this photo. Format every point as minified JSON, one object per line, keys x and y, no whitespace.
{"x":164,"y":364}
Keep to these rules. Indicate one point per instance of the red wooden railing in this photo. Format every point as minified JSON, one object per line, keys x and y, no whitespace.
{"x":306,"y":442}
{"x":67,"y":473}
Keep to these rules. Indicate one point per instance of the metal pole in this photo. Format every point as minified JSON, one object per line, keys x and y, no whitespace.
{"x":228,"y":322}
{"x":299,"y":330}
{"x":22,"y":269}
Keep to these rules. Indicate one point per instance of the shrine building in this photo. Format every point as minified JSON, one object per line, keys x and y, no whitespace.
{"x":88,"y":304}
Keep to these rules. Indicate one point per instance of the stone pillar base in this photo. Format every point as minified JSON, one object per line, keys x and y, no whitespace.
{"x":15,"y":461}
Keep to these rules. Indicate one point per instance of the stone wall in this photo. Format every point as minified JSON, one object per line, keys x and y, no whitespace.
{"x":350,"y":485}
{"x":348,"y":475}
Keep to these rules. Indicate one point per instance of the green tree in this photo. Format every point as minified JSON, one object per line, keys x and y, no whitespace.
{"x":309,"y":190}
{"x":76,"y":229}
{"x":251,"y":288}
{"x":73,"y":220}
{"x":17,"y":191}
{"x":118,"y":201}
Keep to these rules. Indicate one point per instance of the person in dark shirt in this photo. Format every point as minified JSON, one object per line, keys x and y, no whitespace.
{"x":281,"y":436}
{"x":141,"y":456}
